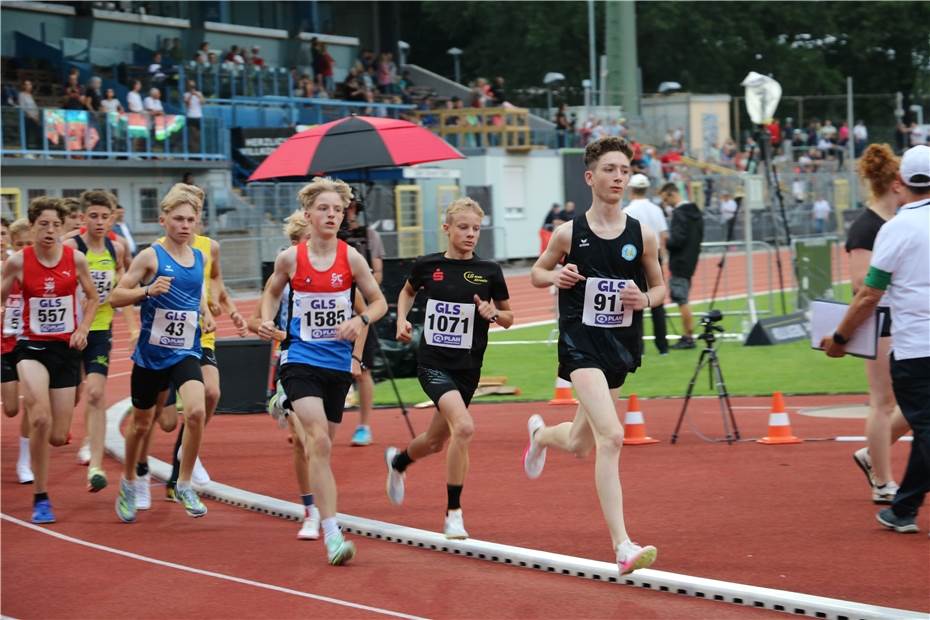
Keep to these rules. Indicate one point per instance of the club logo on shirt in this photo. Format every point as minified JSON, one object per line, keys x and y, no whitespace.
{"x":438,"y":276}
{"x":583,"y":243}
{"x":49,"y":285}
{"x":335,"y":280}
{"x":473,"y":278}
{"x":169,"y":268}
{"x":66,"y":273}
{"x":628,"y":251}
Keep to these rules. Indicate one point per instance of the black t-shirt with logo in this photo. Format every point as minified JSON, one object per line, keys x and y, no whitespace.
{"x":454,"y":334}
{"x":864,"y":229}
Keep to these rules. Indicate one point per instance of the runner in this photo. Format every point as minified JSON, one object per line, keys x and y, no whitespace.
{"x":610,"y":258}
{"x":16,"y":236}
{"x":72,"y":220}
{"x":173,"y":310}
{"x":316,"y":361}
{"x":105,"y":259}
{"x":465,"y":294}
{"x":48,"y":359}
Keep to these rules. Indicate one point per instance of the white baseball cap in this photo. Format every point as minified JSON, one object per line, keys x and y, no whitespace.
{"x":915,"y":166}
{"x":639,"y":181}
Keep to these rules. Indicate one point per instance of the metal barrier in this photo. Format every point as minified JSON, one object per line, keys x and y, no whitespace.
{"x":479,"y":127}
{"x":55,"y":133}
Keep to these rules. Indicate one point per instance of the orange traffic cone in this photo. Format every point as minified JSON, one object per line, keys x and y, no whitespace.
{"x":634,"y":427}
{"x":563,"y":393}
{"x":779,"y":424}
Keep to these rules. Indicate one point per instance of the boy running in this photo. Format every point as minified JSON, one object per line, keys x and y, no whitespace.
{"x":168,"y":352}
{"x":465,"y":294}
{"x":316,"y":360}
{"x":611,"y":259}
{"x":48,"y":359}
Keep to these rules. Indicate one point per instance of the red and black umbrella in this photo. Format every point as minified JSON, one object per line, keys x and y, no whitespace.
{"x":354,"y":143}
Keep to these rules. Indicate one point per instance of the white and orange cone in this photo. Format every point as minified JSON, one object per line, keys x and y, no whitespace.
{"x":563,"y":393}
{"x":634,"y":426}
{"x":779,"y":425}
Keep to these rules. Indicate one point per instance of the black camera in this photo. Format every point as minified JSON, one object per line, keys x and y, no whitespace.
{"x":709,"y":322}
{"x":714,"y":316}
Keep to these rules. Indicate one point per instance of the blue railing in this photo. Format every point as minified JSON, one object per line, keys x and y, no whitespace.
{"x":228,"y":82}
{"x":271,"y":111}
{"x":78,"y":134}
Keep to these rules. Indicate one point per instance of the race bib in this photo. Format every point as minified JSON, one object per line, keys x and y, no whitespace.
{"x":103,"y":282}
{"x":49,"y":316}
{"x":449,"y":324}
{"x":321,"y":313}
{"x":13,"y":316}
{"x":602,"y":306}
{"x":174,"y":329}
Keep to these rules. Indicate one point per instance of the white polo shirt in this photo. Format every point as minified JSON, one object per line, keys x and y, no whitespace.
{"x":647,"y":213}
{"x":902,"y":248}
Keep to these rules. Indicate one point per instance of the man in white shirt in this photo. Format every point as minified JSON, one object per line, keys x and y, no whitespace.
{"x":650,"y":214}
{"x":901,"y":258}
{"x":821,"y":212}
{"x":727,"y":207}
{"x":134,"y":98}
{"x":153,"y":103}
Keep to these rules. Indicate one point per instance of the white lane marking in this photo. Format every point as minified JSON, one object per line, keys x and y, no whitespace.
{"x":206,"y":573}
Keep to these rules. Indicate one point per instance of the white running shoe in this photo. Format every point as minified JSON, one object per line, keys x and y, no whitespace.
{"x":24,"y":472}
{"x":864,"y":460}
{"x":83,"y":454}
{"x":142,"y":486}
{"x":310,"y":530}
{"x":276,"y":406}
{"x":631,"y":556}
{"x":885,"y":493}
{"x":199,"y":475}
{"x":534,"y":458}
{"x":395,"y":479}
{"x":454,"y":527}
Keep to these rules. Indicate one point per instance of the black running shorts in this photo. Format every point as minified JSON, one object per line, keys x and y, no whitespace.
{"x":147,"y":384}
{"x":61,"y":361}
{"x":331,"y":386}
{"x":437,"y":382}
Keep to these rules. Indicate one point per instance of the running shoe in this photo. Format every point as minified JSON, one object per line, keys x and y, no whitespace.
{"x":631,"y":556}
{"x":126,"y":501}
{"x":276,"y":406}
{"x":864,"y":461}
{"x":454,"y":527}
{"x":188,"y":498}
{"x":96,"y":480}
{"x":534,"y":457}
{"x":42,"y":512}
{"x":171,"y":494}
{"x":200,"y":475}
{"x":143,"y":488}
{"x":361,"y":436}
{"x":83,"y":454}
{"x":310,"y":530}
{"x":395,"y":479}
{"x":24,"y":472}
{"x":904,"y":525}
{"x":685,"y":342}
{"x":885,"y":493}
{"x":339,"y":550}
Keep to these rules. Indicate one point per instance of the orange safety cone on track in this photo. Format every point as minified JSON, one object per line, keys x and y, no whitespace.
{"x":563,"y":393}
{"x":634,"y":426}
{"x":779,"y":424}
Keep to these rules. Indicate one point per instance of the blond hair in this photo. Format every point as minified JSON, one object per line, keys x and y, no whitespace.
{"x":461,"y":205}
{"x":182,"y":194}
{"x":20,"y":226}
{"x":295,"y":225}
{"x":309,"y":192}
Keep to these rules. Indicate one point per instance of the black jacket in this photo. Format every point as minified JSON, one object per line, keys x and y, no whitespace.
{"x":685,"y":235}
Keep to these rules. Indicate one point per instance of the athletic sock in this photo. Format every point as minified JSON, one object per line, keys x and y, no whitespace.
{"x":38,"y":497}
{"x":142,"y":469}
{"x":330,"y":527}
{"x":176,"y":458}
{"x":308,"y":502}
{"x":454,"y":492}
{"x":24,"y":449}
{"x":401,"y":461}
{"x":182,"y":485}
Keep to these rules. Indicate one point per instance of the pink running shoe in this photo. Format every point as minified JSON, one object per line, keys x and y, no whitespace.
{"x":631,"y":556}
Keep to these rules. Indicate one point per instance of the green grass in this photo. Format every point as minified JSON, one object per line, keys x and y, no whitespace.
{"x":792,"y":368}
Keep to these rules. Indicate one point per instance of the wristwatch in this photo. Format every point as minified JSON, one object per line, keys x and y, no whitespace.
{"x":365,"y":319}
{"x":838,"y":338}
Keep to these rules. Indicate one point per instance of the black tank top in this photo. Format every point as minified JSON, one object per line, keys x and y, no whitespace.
{"x":619,"y":258}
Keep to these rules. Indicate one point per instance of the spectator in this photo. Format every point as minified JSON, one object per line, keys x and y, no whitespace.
{"x":25,"y":101}
{"x":728,"y":207}
{"x":152,"y":103}
{"x":316,"y":60}
{"x":387,"y":73}
{"x":234,"y":56}
{"x":842,"y":134}
{"x":74,"y":100}
{"x":367,"y":58}
{"x":686,"y":233}
{"x":553,"y":217}
{"x":917,"y":134}
{"x":202,"y":55}
{"x":93,"y":94}
{"x":193,"y":110}
{"x":860,"y":137}
{"x":821,"y":213}
{"x":327,"y":64}
{"x":498,"y":96}
{"x":121,"y":228}
{"x":134,"y":98}
{"x":175,"y":54}
{"x":73,"y":80}
{"x":257,"y":60}
{"x":562,"y":126}
{"x":110,"y":103}
{"x":568,"y":213}
{"x":155,"y":71}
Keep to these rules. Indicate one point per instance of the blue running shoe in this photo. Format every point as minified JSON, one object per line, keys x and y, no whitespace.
{"x":361,"y":436}
{"x":126,"y":501}
{"x":42,"y":512}
{"x":187,"y":497}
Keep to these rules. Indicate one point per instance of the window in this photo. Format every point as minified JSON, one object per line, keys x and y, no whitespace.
{"x":71,"y":193}
{"x":148,"y":205}
{"x":32,"y":194}
{"x":514,"y":192}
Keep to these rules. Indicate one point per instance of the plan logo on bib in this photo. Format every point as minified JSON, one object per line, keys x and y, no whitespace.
{"x":628,"y":251}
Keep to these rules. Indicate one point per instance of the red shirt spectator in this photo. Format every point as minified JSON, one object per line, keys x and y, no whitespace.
{"x":775,"y":131}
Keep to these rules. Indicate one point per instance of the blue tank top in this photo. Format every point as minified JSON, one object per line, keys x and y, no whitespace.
{"x":170,"y":328}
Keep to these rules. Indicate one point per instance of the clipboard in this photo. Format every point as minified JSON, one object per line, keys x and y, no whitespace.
{"x":826,"y":316}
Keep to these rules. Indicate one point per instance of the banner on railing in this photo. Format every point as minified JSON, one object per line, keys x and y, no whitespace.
{"x":73,"y":126}
{"x":136,"y":125}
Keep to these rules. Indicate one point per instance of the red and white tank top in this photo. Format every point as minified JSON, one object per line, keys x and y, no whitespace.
{"x":12,"y":318}
{"x":49,"y":301}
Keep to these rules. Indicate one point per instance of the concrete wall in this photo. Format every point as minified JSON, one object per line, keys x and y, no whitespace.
{"x":30,"y":24}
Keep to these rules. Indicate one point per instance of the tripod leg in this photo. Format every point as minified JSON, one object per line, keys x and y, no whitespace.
{"x":684,"y":406}
{"x":390,"y":374}
{"x":724,"y":395}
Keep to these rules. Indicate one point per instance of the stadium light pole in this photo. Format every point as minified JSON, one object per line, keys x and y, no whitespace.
{"x":592,"y":46}
{"x":456,"y":53}
{"x":549,"y":79}
{"x":403,"y":48}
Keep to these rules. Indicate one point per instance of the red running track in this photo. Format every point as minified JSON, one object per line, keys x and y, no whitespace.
{"x":789,"y":517}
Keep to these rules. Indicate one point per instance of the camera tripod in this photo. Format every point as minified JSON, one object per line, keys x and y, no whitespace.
{"x":709,"y":358}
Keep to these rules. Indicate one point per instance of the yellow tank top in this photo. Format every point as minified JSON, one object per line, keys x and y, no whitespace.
{"x":203,"y":244}
{"x":103,"y":275}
